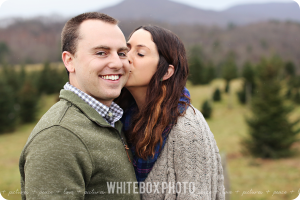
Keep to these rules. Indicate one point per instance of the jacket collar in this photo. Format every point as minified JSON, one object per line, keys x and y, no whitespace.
{"x":90,"y":112}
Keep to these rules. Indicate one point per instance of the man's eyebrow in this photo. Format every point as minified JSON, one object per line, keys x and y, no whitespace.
{"x":123,"y":49}
{"x":108,"y":48}
{"x":102,"y":47}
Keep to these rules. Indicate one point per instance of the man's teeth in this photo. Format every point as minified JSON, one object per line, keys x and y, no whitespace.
{"x":111,"y":77}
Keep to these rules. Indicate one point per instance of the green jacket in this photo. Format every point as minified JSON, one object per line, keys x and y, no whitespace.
{"x":73,"y":153}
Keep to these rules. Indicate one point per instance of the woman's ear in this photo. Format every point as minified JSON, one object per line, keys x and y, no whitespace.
{"x":67,"y":58}
{"x":169,"y":73}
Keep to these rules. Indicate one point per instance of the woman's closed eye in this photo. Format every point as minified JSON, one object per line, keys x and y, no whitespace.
{"x":141,"y":55}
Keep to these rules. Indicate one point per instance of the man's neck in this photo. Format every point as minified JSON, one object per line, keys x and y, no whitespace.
{"x":106,"y":103}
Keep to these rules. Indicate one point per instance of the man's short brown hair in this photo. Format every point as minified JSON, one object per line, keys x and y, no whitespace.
{"x":70,"y":33}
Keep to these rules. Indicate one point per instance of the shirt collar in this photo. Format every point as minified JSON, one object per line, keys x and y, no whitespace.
{"x":110,"y":114}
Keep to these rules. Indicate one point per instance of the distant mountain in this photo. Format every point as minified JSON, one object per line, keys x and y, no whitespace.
{"x":162,"y":11}
{"x":247,"y":13}
{"x":177,"y":13}
{"x":38,"y":39}
{"x":33,"y":41}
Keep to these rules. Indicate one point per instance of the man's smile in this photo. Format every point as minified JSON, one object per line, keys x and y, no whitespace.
{"x":113,"y":77}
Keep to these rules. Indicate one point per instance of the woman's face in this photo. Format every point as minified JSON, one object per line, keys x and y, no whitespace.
{"x":144,"y":58}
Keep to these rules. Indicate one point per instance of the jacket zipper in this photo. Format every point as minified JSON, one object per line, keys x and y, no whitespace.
{"x":125,"y":146}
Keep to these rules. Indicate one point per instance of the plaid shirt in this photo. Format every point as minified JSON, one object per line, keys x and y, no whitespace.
{"x":110,"y":114}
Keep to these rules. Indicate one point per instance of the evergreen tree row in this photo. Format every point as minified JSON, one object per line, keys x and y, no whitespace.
{"x":271,"y":132}
{"x":288,"y":75}
{"x":201,"y":71}
{"x":20,"y":92}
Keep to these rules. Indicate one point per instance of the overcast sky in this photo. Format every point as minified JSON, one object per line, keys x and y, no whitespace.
{"x":66,"y":8}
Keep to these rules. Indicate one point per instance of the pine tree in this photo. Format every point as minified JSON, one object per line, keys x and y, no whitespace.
{"x":51,"y":79}
{"x":60,"y":77}
{"x":217,"y":95}
{"x":22,"y":74}
{"x":8,"y":113}
{"x":271,"y":134}
{"x":248,"y":73}
{"x":44,"y":82}
{"x":10,"y":76}
{"x":209,"y":73}
{"x":206,"y":109}
{"x":297,"y":97}
{"x":296,"y":86}
{"x":4,"y":51}
{"x":290,"y":69}
{"x":196,"y":65}
{"x":28,"y":101}
{"x":227,"y":87}
{"x":245,"y":94}
{"x":242,"y":95}
{"x":229,"y":71}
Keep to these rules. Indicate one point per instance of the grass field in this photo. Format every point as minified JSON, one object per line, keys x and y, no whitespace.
{"x":250,"y":178}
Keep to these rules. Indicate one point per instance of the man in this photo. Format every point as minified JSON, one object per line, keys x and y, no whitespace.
{"x":77,"y":150}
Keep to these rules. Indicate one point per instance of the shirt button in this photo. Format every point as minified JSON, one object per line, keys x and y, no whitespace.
{"x":110,"y":114}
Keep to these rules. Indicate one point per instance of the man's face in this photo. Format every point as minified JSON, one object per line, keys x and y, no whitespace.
{"x":101,"y":67}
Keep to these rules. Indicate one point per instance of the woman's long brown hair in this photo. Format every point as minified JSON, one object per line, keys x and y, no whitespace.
{"x":161,"y":106}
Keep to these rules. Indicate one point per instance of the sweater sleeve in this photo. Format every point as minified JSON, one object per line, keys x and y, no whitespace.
{"x":197,"y":161}
{"x":220,"y":193}
{"x":55,"y":165}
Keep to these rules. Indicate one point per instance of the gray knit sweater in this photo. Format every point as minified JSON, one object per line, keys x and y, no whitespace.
{"x":189,"y":166}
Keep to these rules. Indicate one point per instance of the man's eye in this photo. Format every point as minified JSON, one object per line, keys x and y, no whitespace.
{"x":123,"y":54}
{"x":141,"y":55}
{"x":101,"y":53}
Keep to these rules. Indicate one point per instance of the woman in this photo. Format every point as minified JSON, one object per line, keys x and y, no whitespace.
{"x":175,"y":155}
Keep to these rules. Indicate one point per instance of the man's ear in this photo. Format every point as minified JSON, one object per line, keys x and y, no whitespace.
{"x":169,"y":73}
{"x":68,"y":58}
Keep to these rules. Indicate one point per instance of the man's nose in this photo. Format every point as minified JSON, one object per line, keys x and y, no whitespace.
{"x":115,"y":62}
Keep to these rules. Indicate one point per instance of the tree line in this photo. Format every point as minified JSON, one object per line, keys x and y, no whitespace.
{"x":21,"y":91}
{"x":270,"y":88}
{"x":266,"y":87}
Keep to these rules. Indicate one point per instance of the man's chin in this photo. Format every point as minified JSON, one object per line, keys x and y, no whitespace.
{"x":112,"y":96}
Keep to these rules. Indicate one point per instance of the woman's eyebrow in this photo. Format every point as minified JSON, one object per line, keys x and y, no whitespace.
{"x":139,"y":45}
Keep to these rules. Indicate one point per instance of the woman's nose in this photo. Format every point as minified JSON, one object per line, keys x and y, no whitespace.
{"x":129,"y":57}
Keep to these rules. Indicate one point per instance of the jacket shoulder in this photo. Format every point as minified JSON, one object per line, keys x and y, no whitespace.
{"x":52,"y":117}
{"x":192,"y":124}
